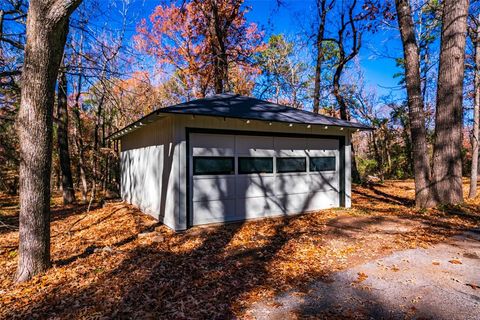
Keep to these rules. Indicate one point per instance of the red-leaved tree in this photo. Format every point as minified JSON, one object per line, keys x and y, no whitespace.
{"x":209,"y":44}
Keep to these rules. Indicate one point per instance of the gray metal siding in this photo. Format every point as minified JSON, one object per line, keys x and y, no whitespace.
{"x":155,"y":168}
{"x":148,"y":179}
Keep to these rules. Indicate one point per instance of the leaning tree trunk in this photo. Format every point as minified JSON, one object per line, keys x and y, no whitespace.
{"x":476,"y":114}
{"x":47,"y":26}
{"x":416,"y":113}
{"x":62,"y":137}
{"x":447,"y":153}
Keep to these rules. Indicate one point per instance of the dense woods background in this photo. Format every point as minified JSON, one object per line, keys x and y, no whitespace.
{"x":74,"y":72}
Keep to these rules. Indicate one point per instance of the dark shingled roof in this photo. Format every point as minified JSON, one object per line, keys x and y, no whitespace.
{"x":241,"y":107}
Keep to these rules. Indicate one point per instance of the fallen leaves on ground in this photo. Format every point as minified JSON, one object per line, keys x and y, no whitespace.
{"x":473,"y":286}
{"x":455,"y":261}
{"x":361,"y":276}
{"x":394,"y":268}
{"x":115,"y":262}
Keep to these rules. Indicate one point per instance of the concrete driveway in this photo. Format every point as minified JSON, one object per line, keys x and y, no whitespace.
{"x":440,"y":282}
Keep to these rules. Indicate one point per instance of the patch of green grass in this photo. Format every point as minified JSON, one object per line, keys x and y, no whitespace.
{"x":98,"y":270}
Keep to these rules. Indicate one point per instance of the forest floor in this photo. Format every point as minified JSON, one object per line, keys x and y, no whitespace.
{"x":115,"y":262}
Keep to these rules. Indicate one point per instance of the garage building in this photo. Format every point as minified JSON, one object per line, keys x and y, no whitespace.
{"x":231,"y":158}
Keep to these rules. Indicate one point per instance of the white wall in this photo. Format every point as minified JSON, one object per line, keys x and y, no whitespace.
{"x":148,"y":177}
{"x":348,"y":171}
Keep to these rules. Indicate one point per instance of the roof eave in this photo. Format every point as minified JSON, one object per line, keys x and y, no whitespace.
{"x":160,"y":113}
{"x":145,"y":120}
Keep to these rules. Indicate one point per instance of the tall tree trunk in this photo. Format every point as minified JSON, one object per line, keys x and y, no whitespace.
{"x":116,"y":166}
{"x":337,"y":93}
{"x":2,"y":16}
{"x":348,"y":29}
{"x":217,"y":69}
{"x":105,"y":167}
{"x":79,"y":141}
{"x":355,"y":174}
{"x":62,"y":137}
{"x":219,"y":51}
{"x":47,"y":27}
{"x":388,"y":148}
{"x":406,"y":132}
{"x":345,"y":116}
{"x":96,"y":146}
{"x":416,"y":113}
{"x":476,"y":113}
{"x":218,"y":25}
{"x":376,"y":152}
{"x":322,"y":13}
{"x":447,"y":153}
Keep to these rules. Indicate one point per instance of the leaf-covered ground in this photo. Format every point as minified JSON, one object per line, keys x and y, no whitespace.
{"x":115,"y":262}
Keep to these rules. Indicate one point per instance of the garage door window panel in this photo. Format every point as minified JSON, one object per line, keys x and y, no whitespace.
{"x":291,"y":164}
{"x":248,"y":165}
{"x":213,"y":165}
{"x":320,"y":164}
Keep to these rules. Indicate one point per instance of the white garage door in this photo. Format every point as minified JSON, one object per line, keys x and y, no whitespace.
{"x":236,"y":177}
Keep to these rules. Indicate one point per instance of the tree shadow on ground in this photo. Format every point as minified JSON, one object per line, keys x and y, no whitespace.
{"x":170,"y":281}
{"x":59,"y":213}
{"x":385,"y":197}
{"x":213,"y":272}
{"x":10,"y":221}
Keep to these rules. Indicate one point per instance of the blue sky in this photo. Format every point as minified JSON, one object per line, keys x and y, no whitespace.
{"x":291,"y":18}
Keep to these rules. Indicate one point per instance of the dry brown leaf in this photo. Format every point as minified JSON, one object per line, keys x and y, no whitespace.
{"x":473,"y":286}
{"x":455,"y":261}
{"x":361,"y":277}
{"x":394,"y":268}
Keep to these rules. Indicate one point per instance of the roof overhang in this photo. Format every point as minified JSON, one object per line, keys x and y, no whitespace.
{"x":159,"y":114}
{"x":149,"y":118}
{"x":230,"y":106}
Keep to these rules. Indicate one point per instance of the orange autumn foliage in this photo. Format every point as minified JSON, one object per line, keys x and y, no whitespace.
{"x":182,"y":42}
